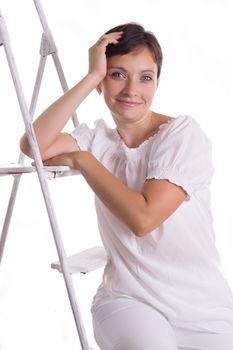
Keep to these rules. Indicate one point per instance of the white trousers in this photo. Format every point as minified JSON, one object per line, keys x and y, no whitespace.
{"x":125,"y":324}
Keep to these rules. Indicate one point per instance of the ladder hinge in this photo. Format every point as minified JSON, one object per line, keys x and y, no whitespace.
{"x":47,"y":46}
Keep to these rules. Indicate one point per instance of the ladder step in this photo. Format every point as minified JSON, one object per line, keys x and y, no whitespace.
{"x":86,"y":261}
{"x":7,"y":169}
{"x":52,"y":171}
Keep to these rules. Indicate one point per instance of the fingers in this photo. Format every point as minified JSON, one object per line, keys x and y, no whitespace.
{"x":51,"y":161}
{"x":97,"y":57}
{"x":57,"y":160}
{"x":111,"y":38}
{"x":67,"y":159}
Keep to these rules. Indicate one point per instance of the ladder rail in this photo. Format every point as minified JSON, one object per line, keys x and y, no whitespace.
{"x":42,"y":16}
{"x":37,"y":85}
{"x":9,"y":211}
{"x":63,"y":82}
{"x":19,"y":94}
{"x":5,"y":41}
{"x":50,"y":48}
{"x":17,"y":178}
{"x":63,"y":261}
{"x":43,"y":183}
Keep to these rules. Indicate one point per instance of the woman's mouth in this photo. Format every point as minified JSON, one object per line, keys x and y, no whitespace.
{"x":128,"y":103}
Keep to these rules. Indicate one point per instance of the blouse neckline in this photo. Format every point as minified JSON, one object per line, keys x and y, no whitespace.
{"x":160,"y":128}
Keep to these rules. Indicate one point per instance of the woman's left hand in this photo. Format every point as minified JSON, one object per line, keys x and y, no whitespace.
{"x":68,"y":159}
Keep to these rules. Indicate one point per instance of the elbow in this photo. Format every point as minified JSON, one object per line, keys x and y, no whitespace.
{"x":141,"y":231}
{"x":25,"y":147}
{"x":143,"y":226}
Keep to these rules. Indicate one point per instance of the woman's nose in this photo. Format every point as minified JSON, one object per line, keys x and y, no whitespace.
{"x":130,"y":87}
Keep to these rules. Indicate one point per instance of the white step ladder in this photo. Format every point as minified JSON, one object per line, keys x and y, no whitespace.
{"x":83,"y":262}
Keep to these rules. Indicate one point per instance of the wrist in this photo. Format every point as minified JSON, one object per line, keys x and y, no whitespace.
{"x":82,"y":160}
{"x":95,"y":77}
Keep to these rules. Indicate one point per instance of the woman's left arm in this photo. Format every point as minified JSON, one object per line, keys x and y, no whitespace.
{"x":140,"y":211}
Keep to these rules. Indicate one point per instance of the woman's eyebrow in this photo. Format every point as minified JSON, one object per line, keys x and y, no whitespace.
{"x":116,"y":67}
{"x":148,"y":70}
{"x":143,"y":71}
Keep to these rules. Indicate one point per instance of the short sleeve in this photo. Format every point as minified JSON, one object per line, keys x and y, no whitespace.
{"x":183,"y":156}
{"x":98,"y":141}
{"x":83,"y":136}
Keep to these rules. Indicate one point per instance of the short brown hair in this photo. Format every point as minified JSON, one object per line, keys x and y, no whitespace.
{"x":134,"y":35}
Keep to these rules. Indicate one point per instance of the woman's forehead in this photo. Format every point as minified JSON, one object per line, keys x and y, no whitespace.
{"x":140,"y":59}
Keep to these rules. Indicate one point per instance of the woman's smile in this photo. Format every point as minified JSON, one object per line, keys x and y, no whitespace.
{"x":128,"y":103}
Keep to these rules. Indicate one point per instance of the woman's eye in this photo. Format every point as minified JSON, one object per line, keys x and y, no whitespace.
{"x":146,"y":78}
{"x":118,"y":75}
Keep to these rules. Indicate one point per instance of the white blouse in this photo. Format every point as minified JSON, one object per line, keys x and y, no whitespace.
{"x":176,"y":268}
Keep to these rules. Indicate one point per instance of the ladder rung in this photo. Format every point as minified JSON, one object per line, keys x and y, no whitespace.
{"x":53,"y":171}
{"x":86,"y":261}
{"x":7,"y":169}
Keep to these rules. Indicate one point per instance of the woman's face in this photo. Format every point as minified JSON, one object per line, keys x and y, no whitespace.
{"x":130,"y":85}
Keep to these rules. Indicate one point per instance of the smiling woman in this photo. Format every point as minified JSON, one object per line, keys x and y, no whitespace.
{"x":128,"y":89}
{"x":151,"y":176}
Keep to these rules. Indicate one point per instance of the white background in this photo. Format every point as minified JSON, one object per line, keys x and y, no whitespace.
{"x":196,"y":79}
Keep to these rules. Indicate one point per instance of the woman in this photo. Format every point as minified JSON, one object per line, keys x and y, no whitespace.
{"x":163,"y":287}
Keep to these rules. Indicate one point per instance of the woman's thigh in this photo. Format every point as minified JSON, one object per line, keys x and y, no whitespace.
{"x":125,"y":324}
{"x":204,"y":341}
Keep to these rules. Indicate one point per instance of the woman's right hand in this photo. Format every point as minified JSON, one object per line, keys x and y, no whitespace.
{"x":97,"y":57}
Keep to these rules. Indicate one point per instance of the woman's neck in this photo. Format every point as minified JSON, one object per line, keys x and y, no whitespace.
{"x":133,"y":134}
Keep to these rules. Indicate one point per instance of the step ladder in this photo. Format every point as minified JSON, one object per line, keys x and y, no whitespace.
{"x":89,"y":259}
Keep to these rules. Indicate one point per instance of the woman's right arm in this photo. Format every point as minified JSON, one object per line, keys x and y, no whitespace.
{"x":48,"y":126}
{"x":50,"y":123}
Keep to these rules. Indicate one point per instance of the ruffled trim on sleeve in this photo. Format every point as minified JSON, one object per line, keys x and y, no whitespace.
{"x":83,"y":136}
{"x":154,"y":172}
{"x":183,"y":157}
{"x":94,"y":140}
